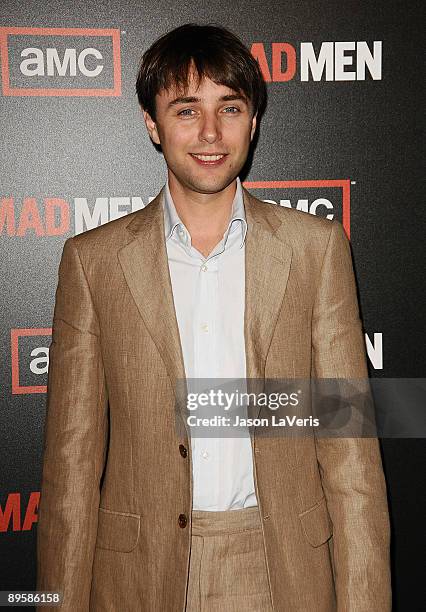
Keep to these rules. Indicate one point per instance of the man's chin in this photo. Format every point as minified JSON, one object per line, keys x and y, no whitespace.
{"x":210,"y":185}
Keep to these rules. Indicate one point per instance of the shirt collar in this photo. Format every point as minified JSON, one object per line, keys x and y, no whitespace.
{"x":237,"y":221}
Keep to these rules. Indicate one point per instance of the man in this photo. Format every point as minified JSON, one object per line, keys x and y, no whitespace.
{"x":205,"y":282}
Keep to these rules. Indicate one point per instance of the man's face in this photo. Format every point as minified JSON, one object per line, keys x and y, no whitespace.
{"x":204,"y":134}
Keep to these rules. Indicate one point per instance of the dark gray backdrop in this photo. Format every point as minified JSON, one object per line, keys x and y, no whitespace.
{"x":69,"y":147}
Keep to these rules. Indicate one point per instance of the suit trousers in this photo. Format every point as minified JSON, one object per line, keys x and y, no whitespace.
{"x":227,"y":570}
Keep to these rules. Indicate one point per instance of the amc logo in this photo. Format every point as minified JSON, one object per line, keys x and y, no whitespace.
{"x":30,"y":359}
{"x":60,"y":62}
{"x":326,"y":198}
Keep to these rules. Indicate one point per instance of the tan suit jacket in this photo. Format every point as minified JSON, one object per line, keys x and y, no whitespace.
{"x":115,"y":479}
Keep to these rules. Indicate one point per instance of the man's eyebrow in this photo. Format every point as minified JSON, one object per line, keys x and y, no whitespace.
{"x":232,"y":97}
{"x":193,"y":99}
{"x":183,"y":100}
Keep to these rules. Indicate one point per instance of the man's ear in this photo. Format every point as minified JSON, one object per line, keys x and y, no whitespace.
{"x":151,"y":126}
{"x":253,"y":127}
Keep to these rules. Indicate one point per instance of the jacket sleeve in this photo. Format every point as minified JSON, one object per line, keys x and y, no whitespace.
{"x":76,"y":430}
{"x":350,"y":467}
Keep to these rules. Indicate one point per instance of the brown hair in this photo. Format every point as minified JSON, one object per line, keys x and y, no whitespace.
{"x":213,"y":51}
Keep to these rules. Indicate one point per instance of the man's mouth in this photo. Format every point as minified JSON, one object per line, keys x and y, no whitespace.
{"x":209,"y":159}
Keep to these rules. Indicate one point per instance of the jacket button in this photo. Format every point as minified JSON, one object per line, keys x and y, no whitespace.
{"x":183,"y":451}
{"x":183,"y":521}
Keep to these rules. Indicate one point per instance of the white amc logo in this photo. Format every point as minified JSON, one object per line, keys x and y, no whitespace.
{"x":38,"y":63}
{"x":306,"y":206}
{"x":60,"y":61}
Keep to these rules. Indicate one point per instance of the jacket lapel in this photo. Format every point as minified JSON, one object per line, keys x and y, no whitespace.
{"x":268,"y":261}
{"x":145,"y":267}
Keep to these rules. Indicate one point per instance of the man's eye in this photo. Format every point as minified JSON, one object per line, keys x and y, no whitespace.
{"x":232,"y":110}
{"x":186,"y":112}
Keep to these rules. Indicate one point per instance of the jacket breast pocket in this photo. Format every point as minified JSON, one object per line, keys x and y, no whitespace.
{"x":316,"y":524}
{"x":118,"y":531}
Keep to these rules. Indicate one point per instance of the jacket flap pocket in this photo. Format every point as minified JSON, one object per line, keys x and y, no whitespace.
{"x":117,"y":531}
{"x":316,"y":524}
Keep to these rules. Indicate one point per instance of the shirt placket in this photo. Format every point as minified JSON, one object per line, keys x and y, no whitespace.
{"x":204,"y":321}
{"x":206,"y":356}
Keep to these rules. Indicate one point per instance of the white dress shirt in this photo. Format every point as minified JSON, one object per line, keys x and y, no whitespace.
{"x":209,"y":299}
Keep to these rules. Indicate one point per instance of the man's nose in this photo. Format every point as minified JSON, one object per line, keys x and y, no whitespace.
{"x":210,"y":128}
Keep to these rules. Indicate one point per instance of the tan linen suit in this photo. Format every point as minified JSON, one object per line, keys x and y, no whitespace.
{"x":114,"y":530}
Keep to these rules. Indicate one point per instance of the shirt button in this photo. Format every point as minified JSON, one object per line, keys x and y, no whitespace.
{"x":183,"y":451}
{"x":205,"y":455}
{"x":205,"y":327}
{"x":204,"y":268}
{"x":182,"y":520}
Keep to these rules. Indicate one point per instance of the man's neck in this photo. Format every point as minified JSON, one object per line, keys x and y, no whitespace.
{"x":205,"y":215}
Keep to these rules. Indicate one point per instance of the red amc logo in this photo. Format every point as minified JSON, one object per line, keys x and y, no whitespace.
{"x":38,"y":363}
{"x":60,"y":62}
{"x":269,"y":189}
